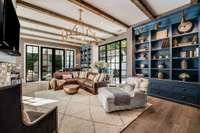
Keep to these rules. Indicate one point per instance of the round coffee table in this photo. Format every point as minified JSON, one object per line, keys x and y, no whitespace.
{"x":71,"y":88}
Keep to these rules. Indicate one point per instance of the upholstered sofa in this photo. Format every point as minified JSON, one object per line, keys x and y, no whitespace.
{"x":138,"y":95}
{"x":87,"y":80}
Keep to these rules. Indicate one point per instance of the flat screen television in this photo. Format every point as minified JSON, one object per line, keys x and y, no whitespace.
{"x":9,"y":28}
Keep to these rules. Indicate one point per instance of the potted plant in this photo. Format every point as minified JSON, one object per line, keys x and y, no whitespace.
{"x":101,"y":66}
{"x":184,"y":76}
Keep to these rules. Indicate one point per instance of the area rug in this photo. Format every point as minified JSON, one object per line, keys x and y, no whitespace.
{"x":83,"y":113}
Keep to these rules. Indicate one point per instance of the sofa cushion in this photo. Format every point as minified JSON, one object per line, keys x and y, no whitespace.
{"x":89,"y":83}
{"x":60,"y":82}
{"x":91,"y":76}
{"x":81,"y":80}
{"x":127,"y":88}
{"x":58,"y":75}
{"x":75,"y":74}
{"x":102,"y":77}
{"x":96,"y":78}
{"x":67,"y":76}
{"x":83,"y":75}
{"x":52,"y":83}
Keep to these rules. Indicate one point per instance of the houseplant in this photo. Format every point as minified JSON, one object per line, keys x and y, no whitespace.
{"x":101,"y":66}
{"x":184,"y":76}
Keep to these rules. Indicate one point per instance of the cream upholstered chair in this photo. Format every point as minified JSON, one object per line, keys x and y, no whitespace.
{"x":138,"y":97}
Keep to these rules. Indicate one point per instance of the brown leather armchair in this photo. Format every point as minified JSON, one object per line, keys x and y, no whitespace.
{"x":11,"y":114}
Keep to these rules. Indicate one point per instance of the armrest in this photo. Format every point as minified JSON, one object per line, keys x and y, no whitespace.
{"x":140,"y":94}
{"x":47,"y":123}
{"x":100,"y":84}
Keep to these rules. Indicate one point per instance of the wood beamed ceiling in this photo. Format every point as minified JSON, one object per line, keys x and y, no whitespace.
{"x":98,"y":12}
{"x":60,"y":16}
{"x":143,"y":7}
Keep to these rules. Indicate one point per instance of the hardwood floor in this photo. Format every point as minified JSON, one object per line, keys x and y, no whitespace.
{"x":166,"y":117}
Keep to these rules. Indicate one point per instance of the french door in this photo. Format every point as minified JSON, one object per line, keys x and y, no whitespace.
{"x":52,"y":60}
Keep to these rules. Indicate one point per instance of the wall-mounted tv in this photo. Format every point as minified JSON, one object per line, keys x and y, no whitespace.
{"x":9,"y":28}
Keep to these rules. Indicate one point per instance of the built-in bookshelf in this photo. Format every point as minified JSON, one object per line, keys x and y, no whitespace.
{"x":164,"y":52}
{"x":86,"y":55}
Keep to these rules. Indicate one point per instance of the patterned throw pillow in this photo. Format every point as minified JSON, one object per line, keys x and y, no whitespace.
{"x":83,"y":75}
{"x":102,"y":77}
{"x":96,"y":78}
{"x":75,"y":74}
{"x":67,"y":76}
{"x":91,"y":76}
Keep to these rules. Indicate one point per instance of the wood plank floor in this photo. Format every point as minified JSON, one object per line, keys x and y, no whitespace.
{"x":166,"y":117}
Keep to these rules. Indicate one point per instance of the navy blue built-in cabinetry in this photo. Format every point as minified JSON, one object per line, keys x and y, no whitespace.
{"x":170,"y":57}
{"x":86,"y":55}
{"x":182,"y":92}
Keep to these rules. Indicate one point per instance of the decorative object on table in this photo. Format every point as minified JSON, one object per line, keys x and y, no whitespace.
{"x":195,"y":39}
{"x":184,"y":64}
{"x":161,"y":34}
{"x":184,"y":76}
{"x":185,"y":26}
{"x":160,"y":75}
{"x":101,"y":66}
{"x":175,"y":43}
{"x":142,"y":65}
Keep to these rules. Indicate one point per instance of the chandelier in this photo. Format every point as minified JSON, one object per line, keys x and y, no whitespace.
{"x":80,"y":32}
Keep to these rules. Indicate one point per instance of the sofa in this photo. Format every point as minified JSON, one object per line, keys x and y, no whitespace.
{"x":89,"y":81}
{"x":136,"y":90}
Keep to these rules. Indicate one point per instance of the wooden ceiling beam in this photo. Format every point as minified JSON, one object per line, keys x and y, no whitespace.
{"x":194,"y":2}
{"x":66,"y":18}
{"x":98,"y":12}
{"x":50,"y":33}
{"x":147,"y":11}
{"x":53,"y":26}
{"x":49,"y":38}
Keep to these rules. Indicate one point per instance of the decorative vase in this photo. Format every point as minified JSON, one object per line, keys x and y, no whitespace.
{"x":184,"y":64}
{"x":160,"y":75}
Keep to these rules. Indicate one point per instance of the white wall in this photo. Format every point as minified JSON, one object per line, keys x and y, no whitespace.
{"x":128,"y":36}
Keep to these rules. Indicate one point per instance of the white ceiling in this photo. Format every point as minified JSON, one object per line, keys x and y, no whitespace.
{"x":162,"y":6}
{"x":123,"y":10}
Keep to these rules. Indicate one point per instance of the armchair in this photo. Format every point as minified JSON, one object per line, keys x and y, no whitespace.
{"x":11,"y":115}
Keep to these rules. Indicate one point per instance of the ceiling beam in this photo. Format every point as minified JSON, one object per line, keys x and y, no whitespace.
{"x":147,"y":11}
{"x":98,"y":12}
{"x":53,"y":26}
{"x":51,"y":33}
{"x":66,"y":18}
{"x":194,"y":2}
{"x":49,"y":38}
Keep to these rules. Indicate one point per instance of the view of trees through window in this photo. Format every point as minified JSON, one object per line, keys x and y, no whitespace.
{"x":115,"y":55}
{"x":51,"y":60}
{"x":32,"y":63}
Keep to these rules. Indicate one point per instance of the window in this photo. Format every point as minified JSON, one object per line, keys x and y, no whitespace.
{"x":47,"y":58}
{"x":115,"y":55}
{"x":59,"y":60}
{"x":69,"y":59}
{"x":32,"y":63}
{"x":52,"y":61}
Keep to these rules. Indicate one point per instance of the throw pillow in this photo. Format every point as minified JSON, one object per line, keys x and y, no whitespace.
{"x":96,"y":78}
{"x":67,"y":76}
{"x":91,"y":76}
{"x":75,"y":74}
{"x":83,"y":75}
{"x":128,"y":88}
{"x":102,"y":77}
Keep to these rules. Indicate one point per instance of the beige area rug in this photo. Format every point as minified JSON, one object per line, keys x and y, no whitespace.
{"x":83,"y":113}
